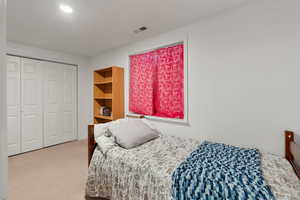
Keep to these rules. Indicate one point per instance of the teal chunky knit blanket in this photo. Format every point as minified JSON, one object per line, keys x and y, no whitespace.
{"x":220,"y":172}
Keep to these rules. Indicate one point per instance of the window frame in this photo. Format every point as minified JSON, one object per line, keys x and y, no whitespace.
{"x":185,"y":120}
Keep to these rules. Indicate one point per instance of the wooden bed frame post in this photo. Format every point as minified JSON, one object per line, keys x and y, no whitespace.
{"x":289,"y":139}
{"x":91,"y":142}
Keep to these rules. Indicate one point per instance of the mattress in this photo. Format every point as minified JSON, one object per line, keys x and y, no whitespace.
{"x":145,"y":172}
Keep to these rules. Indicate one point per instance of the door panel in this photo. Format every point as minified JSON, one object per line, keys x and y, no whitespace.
{"x":31,"y":100}
{"x":52,"y":102}
{"x":69,"y":103}
{"x":13,"y":105}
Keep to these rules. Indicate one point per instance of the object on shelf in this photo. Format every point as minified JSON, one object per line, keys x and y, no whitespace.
{"x":106,"y":111}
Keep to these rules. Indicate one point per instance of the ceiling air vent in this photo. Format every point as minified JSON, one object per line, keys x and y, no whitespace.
{"x":141,"y":29}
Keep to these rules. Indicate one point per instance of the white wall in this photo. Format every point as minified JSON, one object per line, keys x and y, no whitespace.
{"x":3,"y":145}
{"x":243,"y":74}
{"x":83,"y":71}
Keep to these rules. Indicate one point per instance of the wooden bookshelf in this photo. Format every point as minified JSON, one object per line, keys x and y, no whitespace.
{"x":109,"y":92}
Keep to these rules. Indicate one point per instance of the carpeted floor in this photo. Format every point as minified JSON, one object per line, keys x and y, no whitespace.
{"x":54,"y":173}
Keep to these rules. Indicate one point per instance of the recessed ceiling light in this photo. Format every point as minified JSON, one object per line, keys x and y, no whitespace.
{"x":66,"y":8}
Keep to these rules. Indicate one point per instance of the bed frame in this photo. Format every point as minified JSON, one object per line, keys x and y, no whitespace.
{"x":292,"y":149}
{"x":91,"y":142}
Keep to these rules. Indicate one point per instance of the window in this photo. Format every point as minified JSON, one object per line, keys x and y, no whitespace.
{"x":157,"y":82}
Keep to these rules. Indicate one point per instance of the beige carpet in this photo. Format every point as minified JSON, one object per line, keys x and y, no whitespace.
{"x":54,"y":173}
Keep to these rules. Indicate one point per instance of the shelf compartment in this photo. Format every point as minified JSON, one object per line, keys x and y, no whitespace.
{"x":104,"y":117}
{"x":103,"y":98}
{"x":100,"y":120}
{"x":103,"y":75}
{"x":103,"y":90}
{"x":102,"y":103}
{"x":103,"y":82}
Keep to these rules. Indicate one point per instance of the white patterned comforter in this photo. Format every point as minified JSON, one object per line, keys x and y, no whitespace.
{"x":144,"y":173}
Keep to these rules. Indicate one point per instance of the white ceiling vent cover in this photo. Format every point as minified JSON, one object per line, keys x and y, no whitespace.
{"x":141,"y":29}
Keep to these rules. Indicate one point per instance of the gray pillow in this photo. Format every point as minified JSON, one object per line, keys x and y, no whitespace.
{"x":131,"y":133}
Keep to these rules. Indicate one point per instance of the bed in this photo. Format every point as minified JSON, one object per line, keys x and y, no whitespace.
{"x":144,"y":172}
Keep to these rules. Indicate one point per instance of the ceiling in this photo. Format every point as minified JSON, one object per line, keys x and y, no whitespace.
{"x":98,"y":25}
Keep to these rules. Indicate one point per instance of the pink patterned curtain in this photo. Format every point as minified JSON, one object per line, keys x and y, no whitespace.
{"x":157,"y":82}
{"x":169,"y":93}
{"x":142,"y":75}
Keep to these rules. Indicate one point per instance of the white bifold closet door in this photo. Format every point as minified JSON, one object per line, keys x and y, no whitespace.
{"x":69,"y":104}
{"x":41,"y":104}
{"x":13,"y":105}
{"x":52,"y":104}
{"x":59,"y":104}
{"x":31,"y":105}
